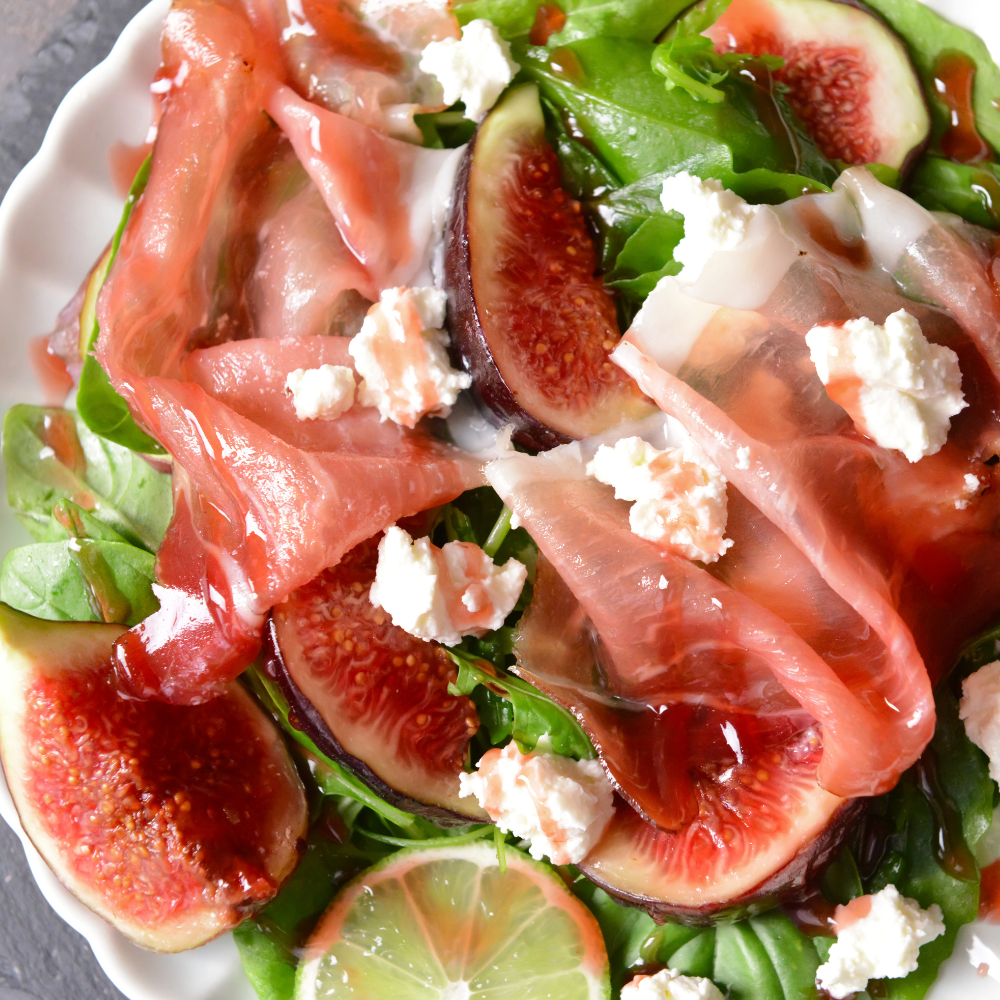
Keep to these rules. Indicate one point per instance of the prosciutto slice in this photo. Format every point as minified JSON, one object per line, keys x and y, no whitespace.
{"x":260,"y":508}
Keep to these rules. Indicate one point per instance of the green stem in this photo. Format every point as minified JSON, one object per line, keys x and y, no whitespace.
{"x":498,"y":533}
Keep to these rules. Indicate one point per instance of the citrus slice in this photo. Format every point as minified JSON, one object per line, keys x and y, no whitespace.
{"x":446,"y":923}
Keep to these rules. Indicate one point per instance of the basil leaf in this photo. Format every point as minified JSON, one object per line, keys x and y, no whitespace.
{"x":80,"y":580}
{"x":510,"y":707}
{"x":99,"y":405}
{"x":51,"y":456}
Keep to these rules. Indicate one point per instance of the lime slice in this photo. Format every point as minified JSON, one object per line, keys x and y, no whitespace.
{"x":445,"y":923}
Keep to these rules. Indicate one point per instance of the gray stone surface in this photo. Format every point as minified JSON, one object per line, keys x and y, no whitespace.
{"x":45,"y":47}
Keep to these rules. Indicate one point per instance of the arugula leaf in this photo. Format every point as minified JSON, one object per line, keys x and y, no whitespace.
{"x":99,"y":405}
{"x":51,"y":456}
{"x":512,"y":708}
{"x":80,"y":580}
{"x":640,"y":19}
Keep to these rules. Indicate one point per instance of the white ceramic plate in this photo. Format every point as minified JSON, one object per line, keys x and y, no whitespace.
{"x":55,"y":220}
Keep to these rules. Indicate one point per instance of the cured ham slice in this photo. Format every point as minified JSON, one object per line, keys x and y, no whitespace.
{"x":388,"y":198}
{"x":306,"y":281}
{"x":702,"y":704}
{"x":256,"y":515}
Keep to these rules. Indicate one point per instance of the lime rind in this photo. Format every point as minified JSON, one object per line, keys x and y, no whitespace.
{"x":445,"y":924}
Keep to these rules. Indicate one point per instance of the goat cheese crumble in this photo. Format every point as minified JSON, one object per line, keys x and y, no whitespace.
{"x":679,"y":495}
{"x":900,"y":389}
{"x":670,"y":985}
{"x":474,"y":69}
{"x":979,"y":709}
{"x":714,"y":219}
{"x":401,"y":355}
{"x":560,"y":805}
{"x":322,"y":393}
{"x":878,"y":937}
{"x":442,"y":594}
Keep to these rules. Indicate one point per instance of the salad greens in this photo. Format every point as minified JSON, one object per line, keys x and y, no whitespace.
{"x":97,"y":511}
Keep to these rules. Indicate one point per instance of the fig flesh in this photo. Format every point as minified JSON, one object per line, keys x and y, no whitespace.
{"x":370,"y":695}
{"x":528,"y":319}
{"x":171,"y":822}
{"x":850,"y":79}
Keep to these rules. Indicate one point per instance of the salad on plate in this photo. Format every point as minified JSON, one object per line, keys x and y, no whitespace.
{"x":516,"y":510}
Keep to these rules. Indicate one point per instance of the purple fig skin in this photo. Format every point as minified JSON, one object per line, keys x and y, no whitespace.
{"x":305,"y":717}
{"x":794,"y":883}
{"x":469,"y":349}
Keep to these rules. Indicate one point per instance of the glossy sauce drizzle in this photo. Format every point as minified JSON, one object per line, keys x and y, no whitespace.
{"x":954,"y":78}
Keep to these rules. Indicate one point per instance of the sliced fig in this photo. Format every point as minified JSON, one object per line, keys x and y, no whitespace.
{"x":850,"y":79}
{"x":171,"y":822}
{"x":720,"y":812}
{"x":528,"y":319}
{"x":369,"y":694}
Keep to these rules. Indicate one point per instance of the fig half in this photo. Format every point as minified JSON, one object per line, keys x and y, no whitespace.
{"x":370,"y":695}
{"x":172,"y":822}
{"x":849,"y":78}
{"x":529,"y":320}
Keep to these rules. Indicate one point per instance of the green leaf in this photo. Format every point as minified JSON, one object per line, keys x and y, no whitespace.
{"x":640,"y":19}
{"x":69,"y":520}
{"x":583,"y":174}
{"x":447,"y":129}
{"x":635,"y":128}
{"x":99,"y":405}
{"x":969,"y":190}
{"x":51,"y":456}
{"x":647,"y":256}
{"x":530,"y":716}
{"x":80,"y":580}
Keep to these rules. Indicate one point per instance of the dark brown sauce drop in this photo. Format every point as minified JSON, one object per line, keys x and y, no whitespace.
{"x":824,"y":234}
{"x":949,"y":845}
{"x":564,"y":62}
{"x":954,"y":77}
{"x":813,"y":916}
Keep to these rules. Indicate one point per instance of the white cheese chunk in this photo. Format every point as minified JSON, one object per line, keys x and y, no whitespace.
{"x":670,"y":985}
{"x":883,"y":943}
{"x":679,"y":495}
{"x":474,"y":69}
{"x":560,"y":805}
{"x":443,"y":594}
{"x":322,"y":393}
{"x":901,"y":390}
{"x":714,"y":219}
{"x":401,"y":355}
{"x":979,"y":709}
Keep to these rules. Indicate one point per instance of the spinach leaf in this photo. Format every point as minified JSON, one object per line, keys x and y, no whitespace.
{"x":640,"y":19}
{"x":969,"y":190}
{"x":51,"y":456}
{"x":583,"y":174}
{"x":70,"y":520}
{"x":637,"y":128}
{"x":511,"y":708}
{"x":99,"y":405}
{"x":80,"y":580}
